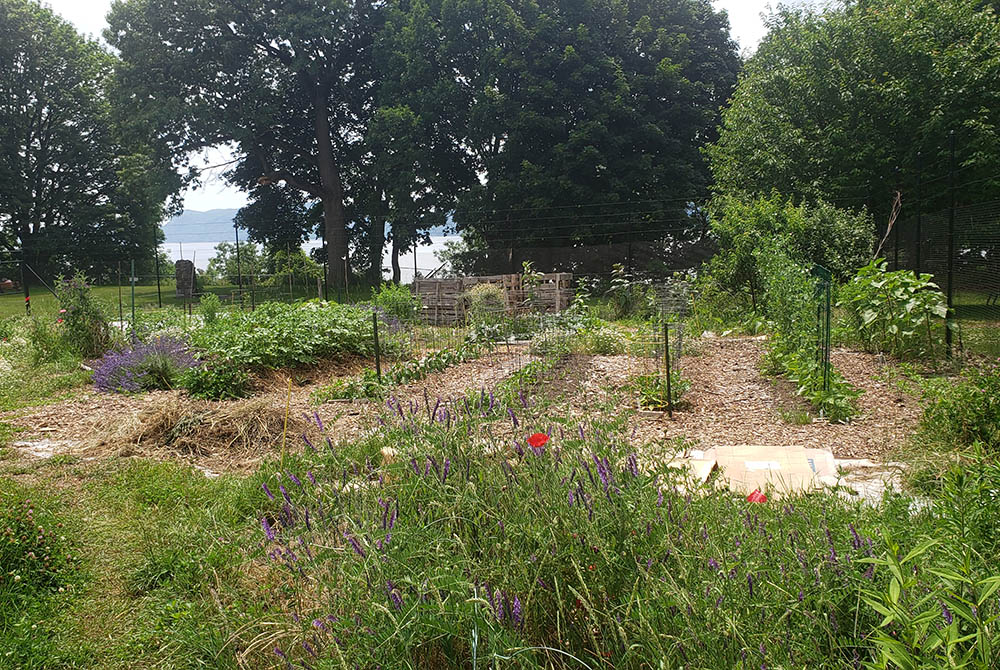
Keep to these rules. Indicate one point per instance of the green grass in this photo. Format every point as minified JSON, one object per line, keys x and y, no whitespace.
{"x":161,"y":579}
{"x":43,"y":303}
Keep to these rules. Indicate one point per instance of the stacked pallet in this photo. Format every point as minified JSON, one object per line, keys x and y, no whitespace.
{"x":444,"y":301}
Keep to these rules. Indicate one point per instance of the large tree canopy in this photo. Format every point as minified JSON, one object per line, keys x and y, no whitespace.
{"x":578,"y":104}
{"x":838,"y":104}
{"x":386,"y":112}
{"x":289,"y":88}
{"x":77,"y":190}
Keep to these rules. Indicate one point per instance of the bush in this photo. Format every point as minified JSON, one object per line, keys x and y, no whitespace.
{"x":486,"y":312}
{"x":733,"y":279}
{"x":209,"y":305}
{"x":898,"y":313}
{"x":143,"y":366}
{"x":83,"y":321}
{"x":601,"y":339}
{"x":216,"y":380}
{"x":964,"y":412}
{"x":397,"y":300}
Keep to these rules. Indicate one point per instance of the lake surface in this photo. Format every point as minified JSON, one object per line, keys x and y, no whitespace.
{"x":202,"y":252}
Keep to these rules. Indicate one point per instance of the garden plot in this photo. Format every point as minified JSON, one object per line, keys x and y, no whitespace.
{"x":234,"y":435}
{"x":731,"y":402}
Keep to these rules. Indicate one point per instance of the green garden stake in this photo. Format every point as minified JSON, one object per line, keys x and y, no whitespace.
{"x":378,"y":355}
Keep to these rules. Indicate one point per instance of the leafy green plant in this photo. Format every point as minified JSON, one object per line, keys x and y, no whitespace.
{"x":278,"y":335}
{"x":652,"y":390}
{"x":82,"y":319}
{"x":964,"y":411}
{"x":601,"y":339}
{"x":397,"y":300}
{"x":216,"y":380}
{"x":939,"y":606}
{"x":35,"y":556}
{"x":899,"y":313}
{"x":209,"y":306}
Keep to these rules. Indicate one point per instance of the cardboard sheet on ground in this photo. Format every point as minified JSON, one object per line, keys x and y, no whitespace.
{"x":745,"y":467}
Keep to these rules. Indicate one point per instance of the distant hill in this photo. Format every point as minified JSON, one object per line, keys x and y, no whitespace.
{"x":216,"y":225}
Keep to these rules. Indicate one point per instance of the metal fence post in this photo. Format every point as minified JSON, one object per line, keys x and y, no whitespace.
{"x":378,"y":352}
{"x":156,"y":260}
{"x":132,"y":282}
{"x":920,"y":206}
{"x":951,"y":249}
{"x":666,"y":364}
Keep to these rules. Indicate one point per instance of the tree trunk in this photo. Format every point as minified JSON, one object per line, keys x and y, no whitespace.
{"x":334,"y":221}
{"x":396,"y":273}
{"x":376,"y":243}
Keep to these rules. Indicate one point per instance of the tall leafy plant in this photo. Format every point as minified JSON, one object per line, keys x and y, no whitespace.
{"x":898,"y":313}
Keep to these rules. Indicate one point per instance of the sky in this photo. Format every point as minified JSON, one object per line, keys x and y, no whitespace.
{"x":745,"y":18}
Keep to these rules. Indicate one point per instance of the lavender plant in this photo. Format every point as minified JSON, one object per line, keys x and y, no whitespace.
{"x":462,"y":550}
{"x":143,"y":366}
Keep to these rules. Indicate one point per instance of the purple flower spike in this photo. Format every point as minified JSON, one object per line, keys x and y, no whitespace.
{"x":311,"y":478}
{"x":319,"y":422}
{"x":268,"y":531}
{"x":305,"y":438}
{"x":295,"y":480}
{"x":284,"y":493}
{"x":498,"y":599}
{"x":513,"y":418}
{"x":516,"y":613}
{"x":447,"y":467}
{"x":946,"y":614}
{"x":267,"y":491}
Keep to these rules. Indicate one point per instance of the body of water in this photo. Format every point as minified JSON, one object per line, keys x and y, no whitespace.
{"x":426,"y":261}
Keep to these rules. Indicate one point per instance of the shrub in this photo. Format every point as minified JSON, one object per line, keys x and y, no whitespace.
{"x":486,"y":312}
{"x":216,"y":380}
{"x":898,"y":313}
{"x":629,"y":296}
{"x":601,"y":339}
{"x":397,"y":300}
{"x":210,"y":305}
{"x":963,"y":412}
{"x":143,"y":366}
{"x":83,"y":320}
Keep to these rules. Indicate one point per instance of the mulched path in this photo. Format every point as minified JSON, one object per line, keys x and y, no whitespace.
{"x":732,"y":402}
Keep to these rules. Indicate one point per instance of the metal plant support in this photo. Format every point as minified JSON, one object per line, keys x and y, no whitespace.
{"x":823,"y":316}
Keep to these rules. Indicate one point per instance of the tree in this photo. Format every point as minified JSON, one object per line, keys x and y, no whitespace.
{"x":850,"y":103}
{"x":77,"y":190}
{"x":288,"y":89}
{"x":278,"y":217}
{"x":586,"y":120}
{"x":226,"y":268}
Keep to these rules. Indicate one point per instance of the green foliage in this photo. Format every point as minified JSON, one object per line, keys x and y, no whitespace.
{"x":35,"y":556}
{"x":748,"y":230}
{"x":224,"y":268}
{"x":597,"y":561}
{"x":277,"y":335}
{"x":938,"y":606}
{"x":216,"y":379}
{"x":963,"y":412}
{"x":652,"y":389}
{"x":486,"y":311}
{"x":83,"y":320}
{"x":209,"y":305}
{"x":600,"y":338}
{"x":629,"y":296}
{"x":838,"y":99}
{"x":788,"y":299}
{"x":74,"y":183}
{"x":397,"y":300}
{"x":898,"y":313}
{"x":367,"y":385}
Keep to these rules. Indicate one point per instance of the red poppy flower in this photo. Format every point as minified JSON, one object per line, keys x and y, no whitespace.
{"x":757,"y":497}
{"x":538,"y":440}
